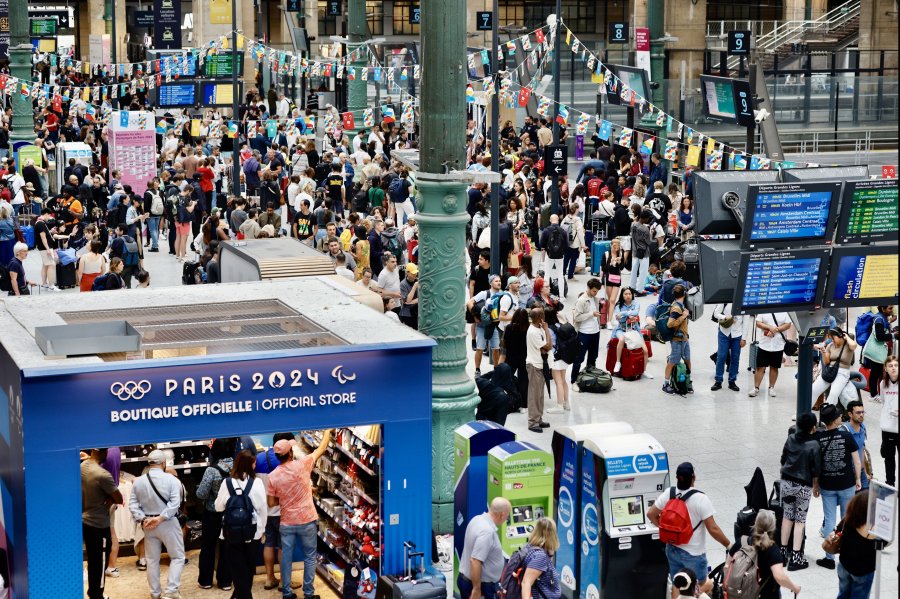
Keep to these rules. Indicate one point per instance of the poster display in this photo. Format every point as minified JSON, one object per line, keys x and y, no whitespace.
{"x":220,"y":12}
{"x":132,"y":148}
{"x":863,"y":276}
{"x":167,"y":24}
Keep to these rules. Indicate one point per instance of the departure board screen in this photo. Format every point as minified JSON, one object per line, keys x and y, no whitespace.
{"x":780,"y":281}
{"x":221,"y":65}
{"x":218,"y":94}
{"x":863,"y":276}
{"x":869,"y":211}
{"x":176,"y":63}
{"x":789,"y":214}
{"x":173,"y":95}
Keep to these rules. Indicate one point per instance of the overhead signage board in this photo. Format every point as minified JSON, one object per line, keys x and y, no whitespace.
{"x":222,"y":65}
{"x":143,"y":18}
{"x":38,"y":12}
{"x":177,"y":95}
{"x":556,"y":160}
{"x":790,"y":215}
{"x":167,"y":24}
{"x":618,"y":33}
{"x":217,"y":94}
{"x":863,"y":276}
{"x":42,"y":26}
{"x":739,"y":43}
{"x":780,"y":281}
{"x":334,"y":8}
{"x":484,"y":20}
{"x":415,"y":15}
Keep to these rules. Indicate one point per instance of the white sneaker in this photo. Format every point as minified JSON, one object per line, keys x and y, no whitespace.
{"x":567,"y":407}
{"x":555,"y":410}
{"x":647,"y":375}
{"x":113,"y":572}
{"x":772,"y":392}
{"x":754,"y":392}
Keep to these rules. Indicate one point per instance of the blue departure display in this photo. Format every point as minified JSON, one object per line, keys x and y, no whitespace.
{"x":786,"y":213}
{"x":777,"y":281}
{"x":177,"y":94}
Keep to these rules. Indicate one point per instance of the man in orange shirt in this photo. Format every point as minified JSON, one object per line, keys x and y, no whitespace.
{"x":289,"y":486}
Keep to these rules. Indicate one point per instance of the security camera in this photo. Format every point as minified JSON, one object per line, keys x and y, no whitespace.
{"x":760,"y":115}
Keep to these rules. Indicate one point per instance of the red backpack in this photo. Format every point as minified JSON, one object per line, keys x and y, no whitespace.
{"x":593,"y":187}
{"x":675,"y":521}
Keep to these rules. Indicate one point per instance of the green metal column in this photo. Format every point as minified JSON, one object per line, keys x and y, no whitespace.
{"x":20,"y":50}
{"x":656,"y":23}
{"x":357,"y":95}
{"x":442,"y":219}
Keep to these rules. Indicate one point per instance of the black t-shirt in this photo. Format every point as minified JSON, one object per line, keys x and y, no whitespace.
{"x":304,"y":223}
{"x":480,"y":276}
{"x":838,"y":447}
{"x":661,"y":204}
{"x":41,"y":227}
{"x":769,"y":589}
{"x":335,"y":183}
{"x":857,"y":552}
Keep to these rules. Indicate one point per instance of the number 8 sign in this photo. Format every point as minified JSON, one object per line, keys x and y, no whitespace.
{"x":618,"y":33}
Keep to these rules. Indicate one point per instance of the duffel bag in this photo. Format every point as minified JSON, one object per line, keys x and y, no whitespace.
{"x":594,"y":380}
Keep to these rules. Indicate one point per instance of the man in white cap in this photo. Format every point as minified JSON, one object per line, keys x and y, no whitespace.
{"x":290,"y":487}
{"x":155,"y":502}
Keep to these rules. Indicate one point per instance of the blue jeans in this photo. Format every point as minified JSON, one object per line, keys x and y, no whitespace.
{"x":307,"y":535}
{"x":679,"y":559}
{"x":831,"y":500}
{"x":153,"y":225}
{"x":570,"y":259}
{"x":854,"y":587}
{"x":728,"y":345}
{"x":488,"y":589}
{"x":590,"y":347}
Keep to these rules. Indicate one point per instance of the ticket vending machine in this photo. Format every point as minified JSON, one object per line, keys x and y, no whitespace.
{"x":471,"y":443}
{"x":567,"y":445}
{"x":621,"y":555}
{"x":523,"y":473}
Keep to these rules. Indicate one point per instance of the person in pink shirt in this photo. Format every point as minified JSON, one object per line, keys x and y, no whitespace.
{"x":290,"y":487}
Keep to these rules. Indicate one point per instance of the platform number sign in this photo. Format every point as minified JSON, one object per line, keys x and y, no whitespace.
{"x":738,"y":43}
{"x":295,"y":5}
{"x":415,"y":15}
{"x":334,"y":8}
{"x":484,"y":20}
{"x":618,"y":33}
{"x":743,"y":102}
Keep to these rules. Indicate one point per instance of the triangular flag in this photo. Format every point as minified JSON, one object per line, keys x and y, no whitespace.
{"x":563,"y":116}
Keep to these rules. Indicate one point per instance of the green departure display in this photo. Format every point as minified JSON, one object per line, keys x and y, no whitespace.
{"x":871,"y":211}
{"x":220,"y":65}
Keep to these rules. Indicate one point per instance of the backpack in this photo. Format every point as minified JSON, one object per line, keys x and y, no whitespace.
{"x":571,"y":233}
{"x":593,"y":187}
{"x":865,"y":323}
{"x":5,"y":281}
{"x":156,"y":205}
{"x":567,"y":345}
{"x":680,"y":379}
{"x":397,"y":190}
{"x":661,"y":318}
{"x":556,"y":243}
{"x":675,"y":520}
{"x":665,"y":294}
{"x":490,"y":312}
{"x":513,"y":572}
{"x":130,"y":256}
{"x":742,"y":578}
{"x":99,"y":283}
{"x":237,"y":521}
{"x":393,"y":245}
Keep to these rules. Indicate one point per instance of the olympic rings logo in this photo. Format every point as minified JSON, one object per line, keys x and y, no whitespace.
{"x":130,"y":389}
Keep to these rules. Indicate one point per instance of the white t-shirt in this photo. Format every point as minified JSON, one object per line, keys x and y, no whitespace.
{"x":379,"y":145}
{"x":345,"y":272}
{"x":535,"y":339}
{"x":507,"y":304}
{"x":776,"y":342}
{"x":389,"y":281}
{"x":889,"y":395}
{"x":700,"y":508}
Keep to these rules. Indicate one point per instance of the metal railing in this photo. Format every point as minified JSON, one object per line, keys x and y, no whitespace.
{"x":720,"y":29}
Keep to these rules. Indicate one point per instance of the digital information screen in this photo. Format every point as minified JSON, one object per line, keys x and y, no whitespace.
{"x":173,"y":95}
{"x":718,"y":98}
{"x":869,"y":211}
{"x":790,"y":213}
{"x":220,"y":65}
{"x":863,"y":276}
{"x":780,"y":281}
{"x":627,"y":511}
{"x":634,"y":77}
{"x":217,"y":94}
{"x":179,"y":65}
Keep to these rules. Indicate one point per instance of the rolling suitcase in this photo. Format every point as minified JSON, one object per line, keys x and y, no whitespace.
{"x":598,"y":248}
{"x":604,"y":316}
{"x":633,"y":364}
{"x":65,"y":275}
{"x":418,"y":583}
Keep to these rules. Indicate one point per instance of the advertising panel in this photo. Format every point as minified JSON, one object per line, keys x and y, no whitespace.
{"x":132,"y":148}
{"x":167,"y":24}
{"x":590,"y":527}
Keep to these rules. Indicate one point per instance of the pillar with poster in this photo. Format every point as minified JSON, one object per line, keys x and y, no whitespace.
{"x":132,"y":148}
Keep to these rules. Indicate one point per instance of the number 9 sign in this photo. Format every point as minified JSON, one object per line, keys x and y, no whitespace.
{"x":739,"y":43}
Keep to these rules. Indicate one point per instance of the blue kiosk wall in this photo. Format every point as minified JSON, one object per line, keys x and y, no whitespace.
{"x":64,"y":410}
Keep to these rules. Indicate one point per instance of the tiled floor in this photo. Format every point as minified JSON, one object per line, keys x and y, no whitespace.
{"x":725,"y":434}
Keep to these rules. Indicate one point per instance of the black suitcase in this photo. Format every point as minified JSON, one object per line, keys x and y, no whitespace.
{"x":65,"y":276}
{"x":419,"y":583}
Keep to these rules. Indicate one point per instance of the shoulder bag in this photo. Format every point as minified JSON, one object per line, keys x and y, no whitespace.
{"x":790,"y":347}
{"x":874,"y":350}
{"x":182,"y":517}
{"x":830,"y":370}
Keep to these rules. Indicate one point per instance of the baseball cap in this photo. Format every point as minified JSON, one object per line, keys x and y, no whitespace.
{"x":284,"y":446}
{"x":156,"y":457}
{"x":685,"y":470}
{"x":511,"y":280}
{"x":412,"y":269}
